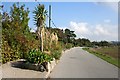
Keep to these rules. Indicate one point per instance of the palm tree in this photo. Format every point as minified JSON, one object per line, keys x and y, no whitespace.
{"x":39,"y":18}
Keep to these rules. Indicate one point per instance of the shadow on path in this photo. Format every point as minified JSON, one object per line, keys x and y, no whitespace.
{"x":19,"y":64}
{"x":29,"y":66}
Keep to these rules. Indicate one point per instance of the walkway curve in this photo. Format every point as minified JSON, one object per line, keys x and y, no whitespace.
{"x":77,"y":63}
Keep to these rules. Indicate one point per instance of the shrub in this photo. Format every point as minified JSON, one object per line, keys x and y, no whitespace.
{"x":57,"y":47}
{"x":7,"y":54}
{"x":68,"y":46}
{"x":37,"y":57}
{"x":56,"y":54}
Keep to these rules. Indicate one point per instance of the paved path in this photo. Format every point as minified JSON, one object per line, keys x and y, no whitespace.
{"x":77,"y":63}
{"x":6,"y":71}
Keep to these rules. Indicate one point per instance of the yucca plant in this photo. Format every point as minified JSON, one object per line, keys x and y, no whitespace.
{"x":39,"y":18}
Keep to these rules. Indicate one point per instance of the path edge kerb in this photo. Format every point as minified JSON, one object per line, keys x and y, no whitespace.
{"x":53,"y":63}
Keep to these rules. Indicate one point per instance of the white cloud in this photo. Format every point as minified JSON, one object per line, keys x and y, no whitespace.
{"x":62,"y":28}
{"x":79,"y":27}
{"x":98,"y":32}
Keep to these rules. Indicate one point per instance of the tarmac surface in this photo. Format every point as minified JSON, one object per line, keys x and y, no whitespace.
{"x":9,"y":71}
{"x":77,"y":63}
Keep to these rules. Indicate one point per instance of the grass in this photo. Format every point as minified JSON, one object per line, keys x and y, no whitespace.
{"x":111,"y":51}
{"x":104,"y":56}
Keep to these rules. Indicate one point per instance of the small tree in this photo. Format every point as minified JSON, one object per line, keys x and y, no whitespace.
{"x":69,"y":36}
{"x":15,"y":31}
{"x":39,"y":18}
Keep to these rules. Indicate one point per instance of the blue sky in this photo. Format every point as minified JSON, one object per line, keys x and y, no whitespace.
{"x":92,"y":20}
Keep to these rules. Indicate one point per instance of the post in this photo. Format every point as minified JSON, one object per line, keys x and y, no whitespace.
{"x":49,"y":16}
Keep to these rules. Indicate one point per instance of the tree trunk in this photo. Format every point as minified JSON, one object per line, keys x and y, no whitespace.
{"x":41,"y":39}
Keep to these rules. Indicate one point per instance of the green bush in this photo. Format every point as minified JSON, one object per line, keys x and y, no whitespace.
{"x":37,"y":57}
{"x":68,"y":46}
{"x":8,"y":54}
{"x":56,"y":54}
{"x":57,"y":47}
{"x":16,"y":36}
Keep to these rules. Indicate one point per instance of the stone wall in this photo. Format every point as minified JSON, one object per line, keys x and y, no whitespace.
{"x":51,"y":66}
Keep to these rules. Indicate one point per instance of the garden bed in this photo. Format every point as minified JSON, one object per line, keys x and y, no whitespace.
{"x":23,"y":64}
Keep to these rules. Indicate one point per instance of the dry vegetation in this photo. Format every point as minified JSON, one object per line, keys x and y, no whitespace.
{"x":109,"y":54}
{"x":111,"y":51}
